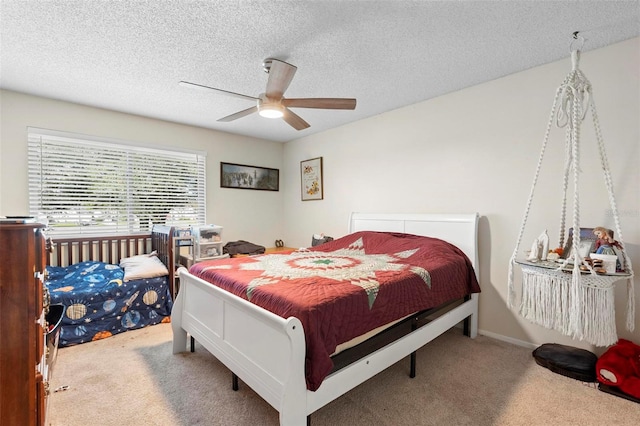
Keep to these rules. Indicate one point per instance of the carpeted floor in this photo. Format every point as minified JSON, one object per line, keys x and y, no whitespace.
{"x":134,"y":379}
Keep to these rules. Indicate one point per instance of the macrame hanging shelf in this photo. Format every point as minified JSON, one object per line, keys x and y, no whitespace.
{"x":567,"y":294}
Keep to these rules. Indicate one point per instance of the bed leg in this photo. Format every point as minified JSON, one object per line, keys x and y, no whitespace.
{"x":470,"y":323}
{"x":192,"y":343}
{"x":412,"y":368}
{"x":466,"y":325}
{"x":234,"y":382}
{"x":412,"y":372}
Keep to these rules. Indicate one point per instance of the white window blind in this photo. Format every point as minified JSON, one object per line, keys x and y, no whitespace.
{"x":93,"y":186}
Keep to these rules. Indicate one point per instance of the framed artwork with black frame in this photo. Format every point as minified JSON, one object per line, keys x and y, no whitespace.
{"x":241,"y":176}
{"x":311,"y":179}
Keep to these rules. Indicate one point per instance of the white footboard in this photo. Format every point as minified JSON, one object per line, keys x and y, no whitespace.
{"x":264,"y":350}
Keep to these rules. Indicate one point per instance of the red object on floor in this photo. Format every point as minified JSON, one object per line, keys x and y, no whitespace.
{"x":619,"y":366}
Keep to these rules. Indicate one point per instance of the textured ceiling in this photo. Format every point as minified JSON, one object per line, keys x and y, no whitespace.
{"x":130,"y":55}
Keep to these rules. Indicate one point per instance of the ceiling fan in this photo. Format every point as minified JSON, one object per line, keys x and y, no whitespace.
{"x":272,"y":103}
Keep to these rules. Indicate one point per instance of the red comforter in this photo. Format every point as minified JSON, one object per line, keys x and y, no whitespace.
{"x":347,"y":287}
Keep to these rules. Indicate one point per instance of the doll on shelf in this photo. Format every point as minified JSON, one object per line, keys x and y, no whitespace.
{"x":605,"y":242}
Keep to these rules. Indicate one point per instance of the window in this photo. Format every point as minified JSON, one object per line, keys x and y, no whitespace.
{"x":87,"y":185}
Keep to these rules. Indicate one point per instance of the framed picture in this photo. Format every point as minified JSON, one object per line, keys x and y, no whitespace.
{"x":249,"y":177}
{"x":587,"y":243}
{"x":311,"y":179}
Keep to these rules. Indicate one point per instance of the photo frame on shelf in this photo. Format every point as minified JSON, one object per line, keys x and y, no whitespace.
{"x":587,"y":243}
{"x":241,"y":176}
{"x":311,"y":179}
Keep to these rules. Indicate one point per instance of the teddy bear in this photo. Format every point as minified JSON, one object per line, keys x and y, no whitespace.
{"x":619,"y":366}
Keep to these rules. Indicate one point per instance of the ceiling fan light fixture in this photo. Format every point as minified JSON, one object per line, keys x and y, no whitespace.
{"x":271,"y":111}
{"x":272,"y":103}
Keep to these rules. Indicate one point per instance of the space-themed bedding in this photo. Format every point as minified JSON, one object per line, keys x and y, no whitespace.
{"x":99,"y":302}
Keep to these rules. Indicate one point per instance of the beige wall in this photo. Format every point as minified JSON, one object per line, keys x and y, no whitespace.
{"x":476,"y":150}
{"x":249,"y":215}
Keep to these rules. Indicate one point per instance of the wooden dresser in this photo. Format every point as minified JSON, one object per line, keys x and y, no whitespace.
{"x":24,"y":360}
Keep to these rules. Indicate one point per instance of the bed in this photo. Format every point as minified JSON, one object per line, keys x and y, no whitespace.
{"x":108,"y":285}
{"x":271,"y":353}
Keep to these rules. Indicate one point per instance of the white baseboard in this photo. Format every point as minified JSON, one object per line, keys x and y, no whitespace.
{"x":501,"y":337}
{"x":507,"y":339}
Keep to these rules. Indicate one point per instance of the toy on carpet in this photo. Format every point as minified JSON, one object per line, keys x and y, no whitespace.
{"x":619,"y":366}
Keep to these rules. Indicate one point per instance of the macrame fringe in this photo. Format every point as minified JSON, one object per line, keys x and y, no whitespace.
{"x":511,"y":290}
{"x":631,"y":305}
{"x":577,"y":308}
{"x":585,"y":311}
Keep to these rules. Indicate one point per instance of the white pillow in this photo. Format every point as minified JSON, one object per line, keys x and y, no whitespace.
{"x":143,"y":266}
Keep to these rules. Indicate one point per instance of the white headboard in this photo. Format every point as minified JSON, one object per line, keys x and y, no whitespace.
{"x":460,"y":230}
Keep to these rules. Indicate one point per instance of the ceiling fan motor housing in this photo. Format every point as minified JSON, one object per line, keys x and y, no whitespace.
{"x":270,"y":108}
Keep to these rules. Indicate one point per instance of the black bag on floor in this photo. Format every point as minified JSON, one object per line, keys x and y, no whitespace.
{"x":242,"y":247}
{"x":579,"y":364}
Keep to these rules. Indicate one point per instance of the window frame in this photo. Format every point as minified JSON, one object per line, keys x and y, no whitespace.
{"x":145,"y":177}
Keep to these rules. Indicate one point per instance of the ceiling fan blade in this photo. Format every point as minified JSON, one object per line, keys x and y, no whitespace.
{"x":324,"y":103}
{"x":280,"y":76}
{"x":294,"y":120}
{"x":207,"y":88}
{"x":239,"y":114}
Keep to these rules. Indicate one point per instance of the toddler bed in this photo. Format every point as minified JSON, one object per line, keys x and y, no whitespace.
{"x":283,"y":347}
{"x":108,"y":285}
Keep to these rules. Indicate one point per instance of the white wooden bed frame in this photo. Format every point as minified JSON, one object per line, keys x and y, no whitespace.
{"x":267,"y":352}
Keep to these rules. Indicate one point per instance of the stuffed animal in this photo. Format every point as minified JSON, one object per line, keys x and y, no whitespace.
{"x":619,"y":366}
